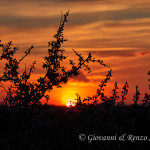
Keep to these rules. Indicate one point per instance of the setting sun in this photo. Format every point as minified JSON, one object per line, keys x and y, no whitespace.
{"x":69,"y":104}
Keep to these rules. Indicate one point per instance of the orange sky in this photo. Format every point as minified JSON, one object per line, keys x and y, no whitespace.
{"x":119,"y":32}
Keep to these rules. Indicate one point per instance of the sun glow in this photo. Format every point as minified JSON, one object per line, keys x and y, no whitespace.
{"x":68,"y":94}
{"x":69,"y":104}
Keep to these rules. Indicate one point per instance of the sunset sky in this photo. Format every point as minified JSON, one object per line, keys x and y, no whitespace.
{"x":117,"y":31}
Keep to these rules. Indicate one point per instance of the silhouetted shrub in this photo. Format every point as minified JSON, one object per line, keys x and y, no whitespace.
{"x":124,"y":92}
{"x":25,"y":93}
{"x":136,"y":96}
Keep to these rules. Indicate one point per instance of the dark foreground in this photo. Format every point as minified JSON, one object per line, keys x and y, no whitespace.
{"x":53,"y":127}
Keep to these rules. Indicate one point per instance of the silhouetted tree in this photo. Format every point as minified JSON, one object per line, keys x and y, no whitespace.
{"x":78,"y":101}
{"x":124,"y":92}
{"x":100,"y":91}
{"x":146,"y":100}
{"x":22,"y":91}
{"x":136,"y":96}
{"x":114,"y":97}
{"x":149,"y":78}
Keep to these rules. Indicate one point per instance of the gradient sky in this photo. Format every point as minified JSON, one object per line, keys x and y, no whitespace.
{"x":118,"y":32}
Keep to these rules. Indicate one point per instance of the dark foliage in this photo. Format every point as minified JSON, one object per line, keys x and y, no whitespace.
{"x":124,"y":92}
{"x":53,"y":127}
{"x":146,"y":100}
{"x":149,"y":79}
{"x":136,"y":96}
{"x":114,"y":97}
{"x":99,"y":94}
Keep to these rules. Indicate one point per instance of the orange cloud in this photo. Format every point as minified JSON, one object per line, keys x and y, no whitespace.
{"x":143,"y":53}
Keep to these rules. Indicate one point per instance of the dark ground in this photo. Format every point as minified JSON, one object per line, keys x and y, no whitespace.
{"x":54,"y":127}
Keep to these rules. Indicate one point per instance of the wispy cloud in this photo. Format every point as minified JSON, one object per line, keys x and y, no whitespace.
{"x":81,"y":77}
{"x":143,"y":53}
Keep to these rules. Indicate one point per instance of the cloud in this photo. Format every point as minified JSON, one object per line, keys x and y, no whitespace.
{"x":121,"y":53}
{"x":115,"y":53}
{"x":74,"y":1}
{"x":37,"y":13}
{"x":142,"y":53}
{"x":27,"y":22}
{"x":81,"y":78}
{"x":31,"y":19}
